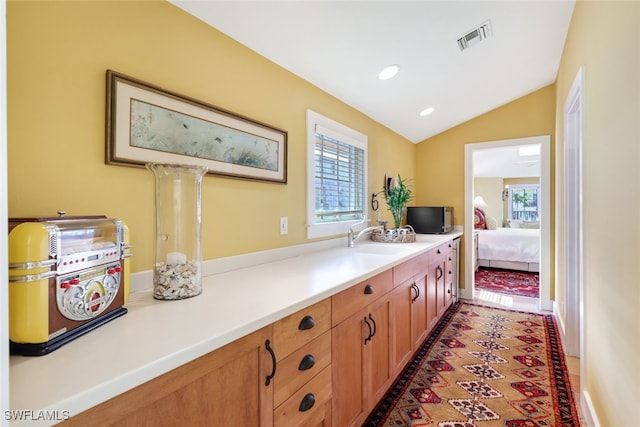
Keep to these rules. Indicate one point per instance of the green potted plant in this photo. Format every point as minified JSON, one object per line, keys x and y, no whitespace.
{"x":397,"y":195}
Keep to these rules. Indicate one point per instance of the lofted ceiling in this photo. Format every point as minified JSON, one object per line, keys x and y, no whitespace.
{"x":506,"y":162}
{"x":341,"y":46}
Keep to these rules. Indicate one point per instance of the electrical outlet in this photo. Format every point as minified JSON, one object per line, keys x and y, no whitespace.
{"x":284,"y":225}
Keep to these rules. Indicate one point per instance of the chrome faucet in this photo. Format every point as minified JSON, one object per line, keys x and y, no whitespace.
{"x":352,"y":236}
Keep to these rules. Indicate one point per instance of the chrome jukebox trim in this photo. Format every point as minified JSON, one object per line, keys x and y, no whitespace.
{"x":34,"y":264}
{"x":32,"y":277}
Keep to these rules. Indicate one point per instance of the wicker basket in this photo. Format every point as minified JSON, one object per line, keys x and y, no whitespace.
{"x":403,"y":235}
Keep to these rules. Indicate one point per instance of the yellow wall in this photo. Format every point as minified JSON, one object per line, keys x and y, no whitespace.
{"x":604,"y":38}
{"x":440,"y":159}
{"x":58,"y":54}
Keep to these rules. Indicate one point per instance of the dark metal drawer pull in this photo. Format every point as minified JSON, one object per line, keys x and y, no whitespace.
{"x":417,"y":291}
{"x":267,"y":344}
{"x":368,"y":290}
{"x":307,"y":322}
{"x":307,"y":362}
{"x":375,"y":328}
{"x":307,"y":402}
{"x":368,"y":338}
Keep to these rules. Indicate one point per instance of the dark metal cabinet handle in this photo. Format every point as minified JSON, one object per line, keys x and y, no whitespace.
{"x":417,"y":291}
{"x":439,"y":272}
{"x":307,"y":362}
{"x":368,"y":290}
{"x":307,"y":322}
{"x":375,"y":328}
{"x":368,"y":338}
{"x":267,"y":344}
{"x":439,"y":251}
{"x":307,"y":402}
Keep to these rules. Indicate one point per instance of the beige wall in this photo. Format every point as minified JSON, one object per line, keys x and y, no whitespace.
{"x":58,"y":54}
{"x":604,"y":39}
{"x":491,"y":191}
{"x":440,"y":159}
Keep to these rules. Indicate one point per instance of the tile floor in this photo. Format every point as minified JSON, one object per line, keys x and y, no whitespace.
{"x":531,"y":305}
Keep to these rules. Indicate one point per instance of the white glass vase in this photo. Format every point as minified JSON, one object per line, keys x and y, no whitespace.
{"x":178,"y":217}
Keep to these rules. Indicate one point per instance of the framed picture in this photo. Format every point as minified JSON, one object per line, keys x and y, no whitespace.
{"x":147,"y":124}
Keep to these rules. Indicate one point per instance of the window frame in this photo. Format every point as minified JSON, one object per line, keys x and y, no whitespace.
{"x":346,"y":135}
{"x":512,"y":187}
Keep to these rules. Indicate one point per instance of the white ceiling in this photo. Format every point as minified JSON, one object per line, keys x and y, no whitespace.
{"x":340,"y":46}
{"x":506,"y":162}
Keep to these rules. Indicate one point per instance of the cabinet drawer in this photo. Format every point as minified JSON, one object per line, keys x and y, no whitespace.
{"x":358,"y":296}
{"x":294,"y":370}
{"x":306,"y":402}
{"x":294,"y":331}
{"x":410,"y":268}
{"x":440,"y":253}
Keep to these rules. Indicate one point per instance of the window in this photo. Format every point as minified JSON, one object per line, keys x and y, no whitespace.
{"x":336,"y":176}
{"x":523,"y":202}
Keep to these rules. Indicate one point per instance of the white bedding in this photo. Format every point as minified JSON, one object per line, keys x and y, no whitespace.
{"x":509,"y":244}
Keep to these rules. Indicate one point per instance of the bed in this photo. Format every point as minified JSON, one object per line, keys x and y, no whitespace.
{"x":509,"y":248}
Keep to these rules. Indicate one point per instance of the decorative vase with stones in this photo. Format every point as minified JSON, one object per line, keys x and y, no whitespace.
{"x":177,"y":270}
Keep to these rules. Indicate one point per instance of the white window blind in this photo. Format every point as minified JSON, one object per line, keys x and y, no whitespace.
{"x":337,"y":176}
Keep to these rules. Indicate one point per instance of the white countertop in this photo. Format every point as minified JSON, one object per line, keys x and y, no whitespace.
{"x":155,"y":337}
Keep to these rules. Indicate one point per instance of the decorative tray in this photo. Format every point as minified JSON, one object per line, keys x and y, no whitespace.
{"x":394,"y":235}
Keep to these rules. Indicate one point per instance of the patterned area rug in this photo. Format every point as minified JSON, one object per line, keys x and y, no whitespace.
{"x":508,"y":282}
{"x":483,"y":367}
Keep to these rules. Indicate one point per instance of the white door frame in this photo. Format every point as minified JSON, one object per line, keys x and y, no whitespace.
{"x":544,"y":141}
{"x":572,"y":309}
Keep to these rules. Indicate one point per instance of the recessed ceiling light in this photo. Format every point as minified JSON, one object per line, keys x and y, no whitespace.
{"x":426,"y":112}
{"x":389,"y":72}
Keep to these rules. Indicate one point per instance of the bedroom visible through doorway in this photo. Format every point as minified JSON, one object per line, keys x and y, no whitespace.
{"x":507,"y":214}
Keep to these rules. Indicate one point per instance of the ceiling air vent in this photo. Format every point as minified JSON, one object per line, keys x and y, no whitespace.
{"x":475,"y":36}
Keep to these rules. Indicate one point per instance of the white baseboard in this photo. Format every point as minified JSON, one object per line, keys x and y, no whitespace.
{"x":559,"y":319}
{"x":590,"y":416}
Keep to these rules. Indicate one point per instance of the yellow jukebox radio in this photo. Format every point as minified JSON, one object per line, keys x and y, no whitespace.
{"x":67,"y":276}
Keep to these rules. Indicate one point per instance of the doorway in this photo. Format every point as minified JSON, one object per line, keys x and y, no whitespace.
{"x":544,"y":302}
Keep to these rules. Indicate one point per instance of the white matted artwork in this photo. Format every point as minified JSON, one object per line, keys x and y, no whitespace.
{"x":147,"y":124}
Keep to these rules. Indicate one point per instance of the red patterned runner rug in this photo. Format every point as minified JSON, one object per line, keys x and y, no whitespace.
{"x":508,"y":282}
{"x":483,"y":367}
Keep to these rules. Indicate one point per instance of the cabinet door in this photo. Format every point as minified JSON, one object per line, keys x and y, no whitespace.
{"x":361,"y":362}
{"x":438,"y":269}
{"x":226,"y":384}
{"x":448,"y":287}
{"x":419,"y":322}
{"x":432,"y":295}
{"x":378,"y":374}
{"x":402,"y":303}
{"x":347,"y":360}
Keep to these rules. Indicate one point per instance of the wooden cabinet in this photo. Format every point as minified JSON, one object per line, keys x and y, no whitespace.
{"x":409,"y":309}
{"x":361,"y":349}
{"x":449,"y":275}
{"x":327,"y":364}
{"x":302,"y":393}
{"x":226,"y":384}
{"x":443,"y":279}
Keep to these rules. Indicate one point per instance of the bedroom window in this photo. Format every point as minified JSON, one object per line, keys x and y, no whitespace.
{"x":523,"y":202}
{"x":336,"y":176}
